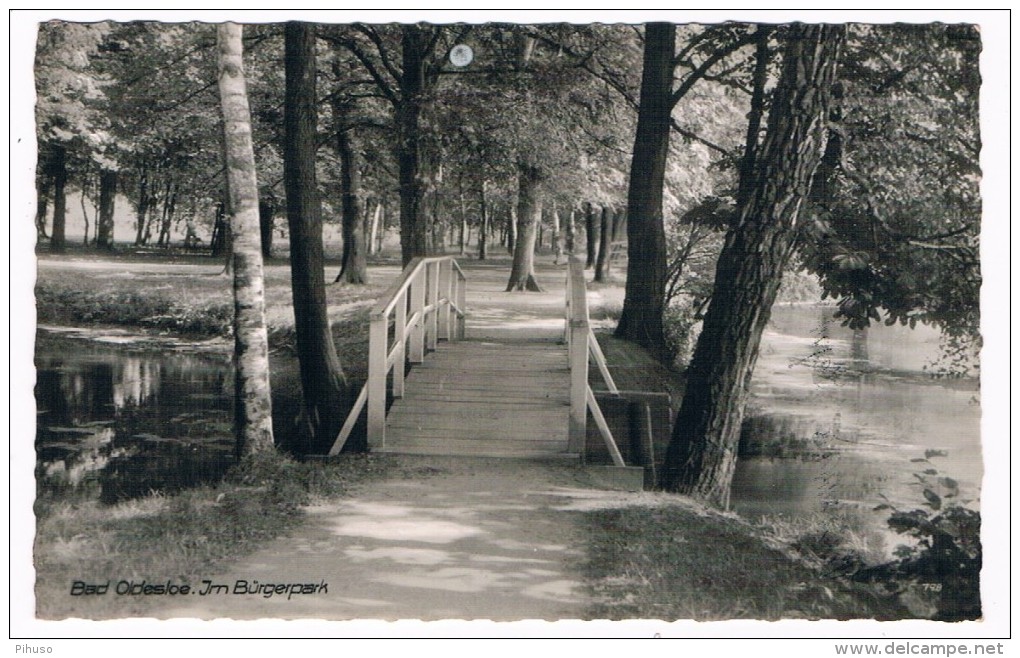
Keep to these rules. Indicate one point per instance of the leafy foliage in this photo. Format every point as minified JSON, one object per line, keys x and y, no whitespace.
{"x":897,"y":205}
{"x":945,"y":556}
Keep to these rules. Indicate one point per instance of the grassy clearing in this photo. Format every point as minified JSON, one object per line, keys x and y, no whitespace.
{"x":180,"y":538}
{"x":190,"y":297}
{"x":685,"y":562}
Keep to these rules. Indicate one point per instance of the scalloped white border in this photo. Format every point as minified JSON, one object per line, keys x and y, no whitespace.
{"x":996,"y":295}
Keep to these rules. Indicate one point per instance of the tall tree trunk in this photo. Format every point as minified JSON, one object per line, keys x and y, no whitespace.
{"x":59,"y":163}
{"x":483,"y":230}
{"x":43,"y":183}
{"x":620,"y":225}
{"x":557,"y":249}
{"x":107,"y":201}
{"x":590,"y":237}
{"x":253,"y":421}
{"x":381,"y":209}
{"x":602,"y":264}
{"x":570,"y":233}
{"x":375,"y":208}
{"x":85,"y":215}
{"x":169,"y":208}
{"x":463,"y":238}
{"x":153,"y":208}
{"x":529,"y":214}
{"x":511,"y":226}
{"x":413,"y":225}
{"x":702,"y":453}
{"x":644,"y":297}
{"x":267,"y":213}
{"x":747,"y":163}
{"x":353,"y":265}
{"x":322,"y":380}
{"x":143,"y":205}
{"x":437,"y":223}
{"x":219,"y":243}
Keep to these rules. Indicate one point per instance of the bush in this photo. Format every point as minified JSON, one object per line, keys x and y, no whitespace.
{"x":945,"y":557}
{"x":681,"y":326}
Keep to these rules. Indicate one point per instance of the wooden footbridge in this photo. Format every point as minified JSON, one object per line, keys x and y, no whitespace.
{"x":436,"y":385}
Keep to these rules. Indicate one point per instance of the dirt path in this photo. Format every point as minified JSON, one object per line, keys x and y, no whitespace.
{"x":441,"y":538}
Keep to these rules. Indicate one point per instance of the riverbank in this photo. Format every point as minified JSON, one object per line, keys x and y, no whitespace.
{"x":190,"y":297}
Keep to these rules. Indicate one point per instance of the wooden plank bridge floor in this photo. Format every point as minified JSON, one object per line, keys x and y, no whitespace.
{"x":484,"y":397}
{"x":502,"y":392}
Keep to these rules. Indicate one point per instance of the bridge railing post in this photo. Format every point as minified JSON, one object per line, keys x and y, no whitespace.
{"x":445,"y":285}
{"x":421,"y":303}
{"x":577,"y":340}
{"x":416,"y":349}
{"x":400,"y":337}
{"x":376,"y":385}
{"x":432,"y":319}
{"x":461,"y":298}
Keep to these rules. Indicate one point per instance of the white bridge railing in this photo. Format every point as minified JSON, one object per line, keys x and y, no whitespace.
{"x":581,"y":344}
{"x":424,"y":305}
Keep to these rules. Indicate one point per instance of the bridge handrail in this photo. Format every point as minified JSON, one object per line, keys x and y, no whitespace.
{"x":581,"y":346}
{"x":425,"y":304}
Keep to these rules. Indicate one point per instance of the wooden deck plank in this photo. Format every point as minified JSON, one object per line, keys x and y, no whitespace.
{"x":484,"y":399}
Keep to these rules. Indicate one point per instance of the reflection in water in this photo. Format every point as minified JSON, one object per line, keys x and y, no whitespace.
{"x":861,"y":411}
{"x":115,"y":422}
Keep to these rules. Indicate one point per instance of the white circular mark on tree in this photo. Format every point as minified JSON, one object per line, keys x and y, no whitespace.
{"x":461,"y":55}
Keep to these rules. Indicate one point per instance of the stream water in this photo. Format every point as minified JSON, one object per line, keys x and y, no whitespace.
{"x":850,"y":420}
{"x":118,"y":420}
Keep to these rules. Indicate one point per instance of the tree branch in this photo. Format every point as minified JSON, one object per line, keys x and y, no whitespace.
{"x":699,"y":72}
{"x":691,"y":45}
{"x":374,"y":37}
{"x":355,"y":48}
{"x":697,"y":138}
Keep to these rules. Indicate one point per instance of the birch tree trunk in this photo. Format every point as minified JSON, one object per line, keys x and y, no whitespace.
{"x":253,"y":424}
{"x":373,"y":232}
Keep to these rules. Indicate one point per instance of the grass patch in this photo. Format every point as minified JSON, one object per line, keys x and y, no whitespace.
{"x":182,"y":538}
{"x":177,"y":297}
{"x":683,"y":562}
{"x":71,"y":300}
